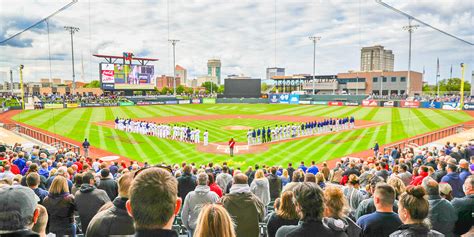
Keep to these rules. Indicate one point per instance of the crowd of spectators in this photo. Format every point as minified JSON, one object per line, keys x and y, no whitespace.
{"x":429,"y":192}
{"x":61,"y":99}
{"x":422,"y":98}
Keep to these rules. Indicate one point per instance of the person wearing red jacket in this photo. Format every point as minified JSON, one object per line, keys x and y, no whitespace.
{"x":423,"y":173}
{"x":213,"y":185}
{"x":231,"y":147}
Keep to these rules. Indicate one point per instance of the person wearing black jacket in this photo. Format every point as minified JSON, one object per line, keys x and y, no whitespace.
{"x":108,"y":184}
{"x":290,"y":170}
{"x":275,"y":184}
{"x":186,"y":182}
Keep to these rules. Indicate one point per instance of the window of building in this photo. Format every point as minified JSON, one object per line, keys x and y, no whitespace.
{"x":403,"y":79}
{"x":394,"y":79}
{"x":384,"y":79}
{"x":375,"y":79}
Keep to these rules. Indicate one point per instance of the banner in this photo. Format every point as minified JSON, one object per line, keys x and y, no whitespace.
{"x":431,"y":105}
{"x":273,"y":99}
{"x":284,"y":98}
{"x":125,"y":104}
{"x":108,"y":86}
{"x":208,"y":101}
{"x":171,"y":102}
{"x":335,"y":103}
{"x":182,"y":102}
{"x":53,"y":106}
{"x":150,"y":103}
{"x":409,"y":104}
{"x":450,"y":105}
{"x":388,"y":104}
{"x":305,"y":102}
{"x":294,"y":99}
{"x":468,"y":106}
{"x":107,"y":73}
{"x":91,"y":104}
{"x":351,"y":103}
{"x":319,"y":102}
{"x":369,"y":103}
{"x":196,"y":101}
{"x":72,"y":105}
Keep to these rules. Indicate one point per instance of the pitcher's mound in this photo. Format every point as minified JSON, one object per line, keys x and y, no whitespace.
{"x":237,"y":127}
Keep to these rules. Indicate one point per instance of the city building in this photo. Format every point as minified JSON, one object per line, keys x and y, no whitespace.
{"x":376,"y":58}
{"x":181,"y":72}
{"x":205,"y":78}
{"x":167,"y":81}
{"x":214,"y":69}
{"x":275,"y":71}
{"x":233,"y":76}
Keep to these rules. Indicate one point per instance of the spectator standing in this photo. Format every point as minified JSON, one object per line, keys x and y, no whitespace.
{"x":33,"y":180}
{"x":465,"y":207}
{"x":154,"y":203}
{"x":261,"y":188}
{"x":7,"y":173}
{"x":404,"y":175}
{"x":440,"y":172}
{"x":85,"y":146}
{"x":60,"y":206}
{"x":186,"y":182}
{"x":383,"y":221}
{"x":213,"y":186}
{"x":285,"y":178}
{"x":114,"y":220}
{"x":246,"y":209}
{"x":231,"y":147}
{"x":275,"y":184}
{"x":352,"y":193}
{"x":367,"y":206}
{"x":453,"y":179}
{"x":336,"y":206}
{"x":214,"y":221}
{"x":413,"y":210}
{"x":313,"y":169}
{"x":89,"y":199}
{"x":285,"y":214}
{"x":108,"y":184}
{"x":195,"y":200}
{"x":290,"y":170}
{"x":223,"y":179}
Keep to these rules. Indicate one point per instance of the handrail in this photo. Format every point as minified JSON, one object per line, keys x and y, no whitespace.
{"x":43,"y":137}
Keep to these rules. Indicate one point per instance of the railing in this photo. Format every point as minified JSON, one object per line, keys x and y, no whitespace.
{"x":427,"y":138}
{"x":42,"y":137}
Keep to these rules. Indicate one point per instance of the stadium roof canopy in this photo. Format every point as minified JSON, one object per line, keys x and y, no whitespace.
{"x":113,"y":59}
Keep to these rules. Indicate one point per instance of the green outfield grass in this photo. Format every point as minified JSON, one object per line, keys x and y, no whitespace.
{"x":79,"y":124}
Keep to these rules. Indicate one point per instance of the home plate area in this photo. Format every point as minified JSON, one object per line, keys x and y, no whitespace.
{"x":239,"y":148}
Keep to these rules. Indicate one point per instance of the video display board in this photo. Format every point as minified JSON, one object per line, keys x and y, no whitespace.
{"x":127,"y":77}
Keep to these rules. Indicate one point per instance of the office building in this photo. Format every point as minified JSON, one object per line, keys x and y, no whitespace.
{"x":214,"y":69}
{"x":275,"y":71}
{"x":376,"y":58}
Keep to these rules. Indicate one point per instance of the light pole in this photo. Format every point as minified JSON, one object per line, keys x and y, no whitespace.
{"x":314,"y":39}
{"x":410,"y":28}
{"x":21,"y":88}
{"x":72,"y":30}
{"x":173,"y":42}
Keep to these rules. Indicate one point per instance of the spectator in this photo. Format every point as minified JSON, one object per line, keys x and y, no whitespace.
{"x":308,"y":177}
{"x":275,"y":184}
{"x":186,"y":183}
{"x":115,"y":219}
{"x":60,"y":206}
{"x":320,"y":180}
{"x":381,"y":171}
{"x":352,"y":170}
{"x":313,"y":169}
{"x":291,"y":170}
{"x":223,"y":179}
{"x":302,"y":167}
{"x":285,"y":214}
{"x":195,"y":200}
{"x":89,"y":199}
{"x":77,"y":183}
{"x":383,"y":221}
{"x":108,"y":184}
{"x":465,"y":207}
{"x":367,"y":206}
{"x":33,"y":180}
{"x":310,"y":205}
{"x":325,"y":170}
{"x":33,"y":168}
{"x":404,"y":175}
{"x":285,"y":178}
{"x":464,"y":170}
{"x":453,"y":179}
{"x":62,"y":171}
{"x":7,"y":174}
{"x":260,"y":187}
{"x":353,"y":194}
{"x":42,"y":222}
{"x":413,"y":210}
{"x":86,"y":146}
{"x":245,"y":208}
{"x":214,"y":221}
{"x":213,"y":186}
{"x":442,"y":214}
{"x":336,"y":206}
{"x":154,"y":202}
{"x":19,"y":211}
{"x":398,"y":185}
{"x":423,"y":173}
{"x":440,"y":172}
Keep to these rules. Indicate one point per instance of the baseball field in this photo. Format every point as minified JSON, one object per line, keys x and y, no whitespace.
{"x":223,"y":121}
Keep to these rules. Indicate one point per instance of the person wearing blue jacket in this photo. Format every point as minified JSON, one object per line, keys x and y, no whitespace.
{"x":453,"y":179}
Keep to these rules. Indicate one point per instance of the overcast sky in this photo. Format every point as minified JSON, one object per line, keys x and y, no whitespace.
{"x":241,"y":33}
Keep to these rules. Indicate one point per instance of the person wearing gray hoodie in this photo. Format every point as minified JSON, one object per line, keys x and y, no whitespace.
{"x":195,"y":200}
{"x":261,"y":187}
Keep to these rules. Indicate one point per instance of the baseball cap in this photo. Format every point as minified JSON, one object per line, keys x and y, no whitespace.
{"x":445,"y":188}
{"x":16,"y":204}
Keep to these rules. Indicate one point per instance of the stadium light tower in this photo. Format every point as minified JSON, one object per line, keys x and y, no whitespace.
{"x":72,"y":30}
{"x":410,"y":28}
{"x":173,"y":42}
{"x":314,"y":39}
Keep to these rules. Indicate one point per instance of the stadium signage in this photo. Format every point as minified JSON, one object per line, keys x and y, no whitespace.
{"x":171,"y":102}
{"x":284,"y":98}
{"x":369,"y":103}
{"x":107,"y":73}
{"x":150,"y":103}
{"x":351,"y":103}
{"x":196,"y":101}
{"x":183,"y":102}
{"x":208,"y":101}
{"x":319,"y":102}
{"x":72,"y":105}
{"x":388,"y":103}
{"x":305,"y":102}
{"x":450,"y":105}
{"x":335,"y":103}
{"x":108,"y":86}
{"x":294,"y":99}
{"x":409,"y":104}
{"x":273,"y":99}
{"x":469,"y":106}
{"x":53,"y":106}
{"x":431,"y":105}
{"x":125,"y":104}
{"x":91,"y":104}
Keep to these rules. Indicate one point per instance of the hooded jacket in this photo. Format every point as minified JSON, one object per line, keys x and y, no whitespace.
{"x":261,"y":189}
{"x":193,"y":204}
{"x":311,"y":228}
{"x":60,"y":209}
{"x":346,"y":225}
{"x":113,"y":221}
{"x":275,"y":185}
{"x":455,"y":182}
{"x":246,"y":210}
{"x":442,"y":215}
{"x":415,"y":230}
{"x":88,"y":201}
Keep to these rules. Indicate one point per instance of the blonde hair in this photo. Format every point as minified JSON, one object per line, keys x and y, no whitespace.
{"x":285,"y":173}
{"x":335,"y":201}
{"x":59,"y":185}
{"x":286,"y":209}
{"x":259,"y":174}
{"x":320,"y":178}
{"x":397,"y":184}
{"x":214,"y":221}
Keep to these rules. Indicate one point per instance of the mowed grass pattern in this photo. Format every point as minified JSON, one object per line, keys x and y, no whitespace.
{"x":398,"y":124}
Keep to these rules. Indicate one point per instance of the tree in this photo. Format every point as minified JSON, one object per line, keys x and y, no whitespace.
{"x":179,"y":89}
{"x":207,"y":85}
{"x":453,"y":85}
{"x":189,"y":90}
{"x":264,"y":87}
{"x":93,"y":84}
{"x":427,"y":88}
{"x":221,"y":89}
{"x":165,"y":90}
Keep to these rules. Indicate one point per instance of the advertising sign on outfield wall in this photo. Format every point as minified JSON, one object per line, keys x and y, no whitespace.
{"x":468,"y":106}
{"x":319,"y":102}
{"x":126,"y":103}
{"x":294,"y":99}
{"x":390,"y":103}
{"x":171,"y":102}
{"x":72,"y":105}
{"x":284,"y":98}
{"x":196,"y":101}
{"x":369,"y":103}
{"x":182,"y":102}
{"x":431,"y":105}
{"x":150,"y":103}
{"x":450,"y":105}
{"x":335,"y":103}
{"x":208,"y":101}
{"x":351,"y":103}
{"x":91,"y":104}
{"x":409,"y":104}
{"x":273,"y":99}
{"x":53,"y":106}
{"x":305,"y":102}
